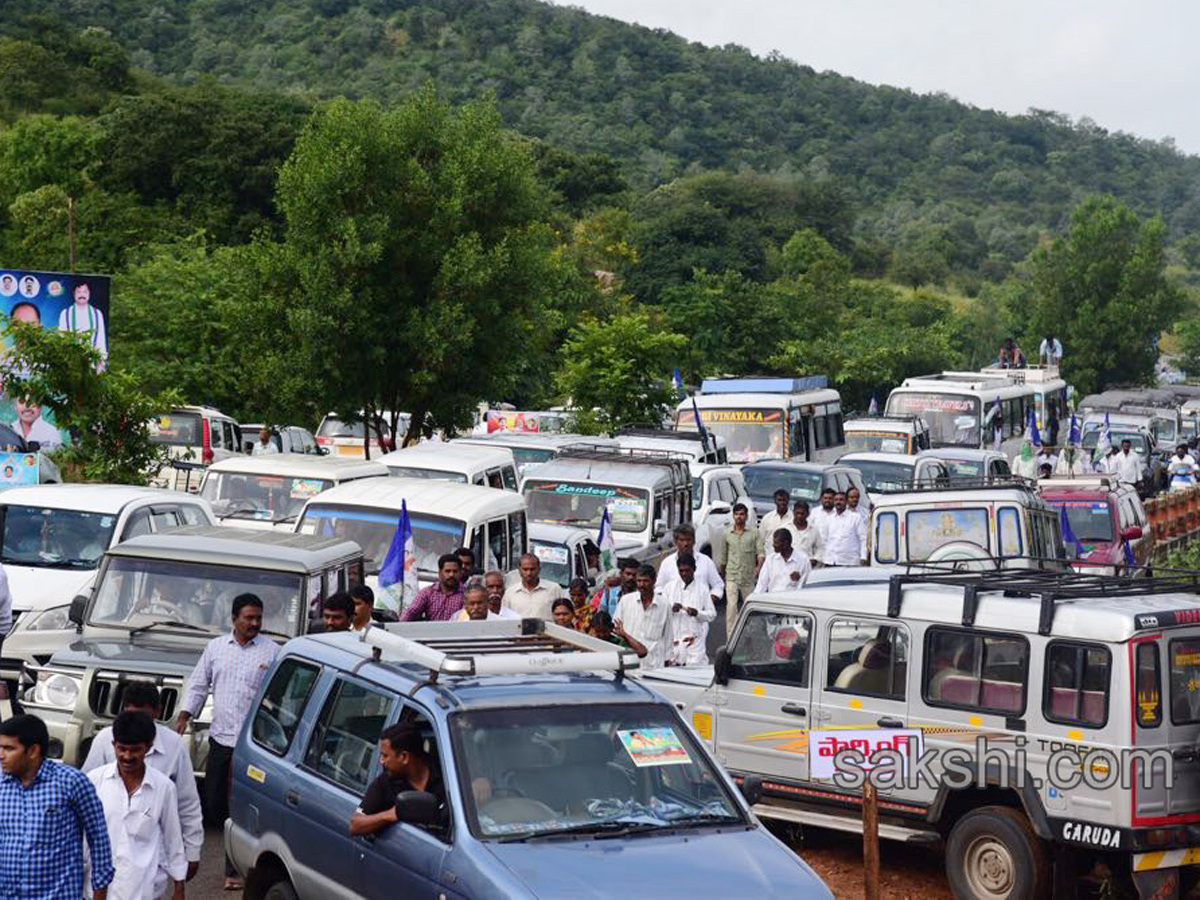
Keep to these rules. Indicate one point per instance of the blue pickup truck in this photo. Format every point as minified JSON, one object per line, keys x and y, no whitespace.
{"x":562,"y":777}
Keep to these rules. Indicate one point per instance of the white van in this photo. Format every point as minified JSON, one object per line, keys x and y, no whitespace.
{"x":341,"y":438}
{"x":270,"y":491}
{"x":196,"y":436}
{"x":709,"y":451}
{"x":444,"y":516}
{"x":455,"y":461}
{"x":529,"y":449}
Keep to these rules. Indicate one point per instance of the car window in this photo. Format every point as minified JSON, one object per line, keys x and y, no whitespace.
{"x":282,"y":708}
{"x":230,"y":438}
{"x":929,"y":529}
{"x":192,"y":515}
{"x":138,"y":524}
{"x":345,"y":739}
{"x":498,"y":545}
{"x":1184,"y":656}
{"x":1008,"y":527}
{"x":165,"y":518}
{"x":887,"y":537}
{"x":516,"y":537}
{"x":509,"y":474}
{"x":1076,"y":683}
{"x":1149,"y":690}
{"x":773,"y":647}
{"x":972,"y":670}
{"x":867,"y":658}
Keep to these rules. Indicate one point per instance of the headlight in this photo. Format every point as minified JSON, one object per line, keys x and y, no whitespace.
{"x":56,"y":689}
{"x":53,"y":619}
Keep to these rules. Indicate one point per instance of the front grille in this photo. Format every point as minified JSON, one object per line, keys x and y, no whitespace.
{"x":106,"y":695}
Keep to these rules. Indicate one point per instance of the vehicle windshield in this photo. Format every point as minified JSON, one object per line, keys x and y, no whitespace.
{"x":1091,"y":520}
{"x":134,"y":593}
{"x":928,"y":530}
{"x":763,"y":481}
{"x":1189,"y":430}
{"x":54,"y":538}
{"x":555,"y":559}
{"x":876,"y":442}
{"x":431,"y":474}
{"x":177,"y":429}
{"x":1164,"y":430}
{"x":963,"y":467}
{"x":270,"y":498}
{"x":1137,"y":439}
{"x":883,"y":476}
{"x":953,"y":419}
{"x":749,"y":434}
{"x":333,"y":427}
{"x":582,"y":505}
{"x":533,"y":773}
{"x":374,"y":529}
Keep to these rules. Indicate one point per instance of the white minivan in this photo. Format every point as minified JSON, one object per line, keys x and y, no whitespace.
{"x":444,"y":516}
{"x":195,"y":437}
{"x":455,"y":461}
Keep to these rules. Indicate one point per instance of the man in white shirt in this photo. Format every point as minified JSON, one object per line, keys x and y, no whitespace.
{"x":784,"y":570}
{"x":1051,"y":350}
{"x":264,"y":445}
{"x":706,"y":569}
{"x":644,"y":616}
{"x":167,"y":755}
{"x":845,"y":536}
{"x":494,"y":584}
{"x":30,"y":425}
{"x":475,"y":605}
{"x":1127,"y":465}
{"x":141,"y":812}
{"x":806,"y":537}
{"x":819,"y":517}
{"x":771,"y":522}
{"x":691,"y":611}
{"x":533,"y":596}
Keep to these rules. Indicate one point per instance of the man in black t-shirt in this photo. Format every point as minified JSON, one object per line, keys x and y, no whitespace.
{"x":406,"y":767}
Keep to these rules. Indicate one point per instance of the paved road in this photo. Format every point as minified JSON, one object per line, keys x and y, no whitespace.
{"x":209,"y":881}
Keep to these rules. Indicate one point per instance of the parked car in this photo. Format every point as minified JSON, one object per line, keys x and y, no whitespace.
{"x":345,"y":438}
{"x":157,"y":601}
{"x":195,"y":436}
{"x":270,"y":491}
{"x":891,"y":472}
{"x":1059,"y":676}
{"x":455,"y":461}
{"x":287,"y":439}
{"x":886,"y":434}
{"x":963,"y":462}
{"x":1104,"y":516}
{"x":710,"y":451}
{"x":576,"y":782}
{"x":52,"y":541}
{"x":802,"y":481}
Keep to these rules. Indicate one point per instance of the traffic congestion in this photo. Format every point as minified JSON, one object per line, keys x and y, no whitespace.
{"x":526,"y":663}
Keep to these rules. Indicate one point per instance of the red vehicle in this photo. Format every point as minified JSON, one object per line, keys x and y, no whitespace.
{"x":1103,"y":516}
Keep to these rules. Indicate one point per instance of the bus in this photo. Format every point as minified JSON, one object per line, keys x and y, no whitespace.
{"x":1048,"y":388}
{"x":959,"y":408}
{"x":769,"y":418}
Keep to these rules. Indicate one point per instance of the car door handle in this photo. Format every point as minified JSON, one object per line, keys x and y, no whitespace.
{"x":889,"y":722}
{"x":292,"y":798}
{"x":794,"y":709}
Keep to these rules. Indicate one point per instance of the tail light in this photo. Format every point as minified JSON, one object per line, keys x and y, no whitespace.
{"x":206,"y":455}
{"x":325,"y":441}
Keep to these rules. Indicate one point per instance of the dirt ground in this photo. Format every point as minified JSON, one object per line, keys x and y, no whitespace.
{"x":906,"y":871}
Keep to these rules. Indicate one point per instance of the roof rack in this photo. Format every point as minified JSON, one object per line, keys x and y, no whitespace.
{"x":1051,"y":587}
{"x":499,"y":647}
{"x":957,"y":483}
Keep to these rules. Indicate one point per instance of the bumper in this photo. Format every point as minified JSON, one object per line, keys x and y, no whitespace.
{"x":240,"y":847}
{"x":1166,"y":859}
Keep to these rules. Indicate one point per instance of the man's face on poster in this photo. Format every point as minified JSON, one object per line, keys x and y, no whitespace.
{"x":83,"y":294}
{"x":27,"y":312}
{"x":28,"y":413}
{"x":8,"y":284}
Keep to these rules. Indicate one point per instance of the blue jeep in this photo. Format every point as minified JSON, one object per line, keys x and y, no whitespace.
{"x":563,"y":778}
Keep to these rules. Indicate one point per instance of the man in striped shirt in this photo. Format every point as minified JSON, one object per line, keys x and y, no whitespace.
{"x":231,"y":668}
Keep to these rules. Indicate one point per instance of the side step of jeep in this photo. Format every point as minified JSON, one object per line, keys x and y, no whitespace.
{"x":851,"y":823}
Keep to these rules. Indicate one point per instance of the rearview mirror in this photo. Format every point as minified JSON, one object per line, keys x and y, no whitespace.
{"x":660,"y":528}
{"x":751,"y":788}
{"x":720,"y":511}
{"x":418,"y":808}
{"x":75,"y":612}
{"x":1132,"y":533}
{"x":722,"y":664}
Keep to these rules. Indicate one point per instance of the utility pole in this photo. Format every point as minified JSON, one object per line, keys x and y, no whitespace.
{"x":71,"y":233}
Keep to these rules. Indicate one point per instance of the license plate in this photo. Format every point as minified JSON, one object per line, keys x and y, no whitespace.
{"x":350,"y":450}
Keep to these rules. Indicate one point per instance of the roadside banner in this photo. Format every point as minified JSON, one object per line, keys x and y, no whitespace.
{"x":18,"y":470}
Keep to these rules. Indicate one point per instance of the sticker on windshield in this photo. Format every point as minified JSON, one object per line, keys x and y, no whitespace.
{"x":893,"y":445}
{"x":654,"y":747}
{"x":106,"y":521}
{"x":304,"y":488}
{"x":553,"y":555}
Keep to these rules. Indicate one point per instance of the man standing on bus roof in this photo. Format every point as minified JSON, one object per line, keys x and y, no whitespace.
{"x":1051,"y":351}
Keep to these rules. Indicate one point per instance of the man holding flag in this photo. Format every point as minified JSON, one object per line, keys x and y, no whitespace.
{"x":1104,"y":448}
{"x":398,"y":574}
{"x":1025,"y":463}
{"x":1070,"y":461}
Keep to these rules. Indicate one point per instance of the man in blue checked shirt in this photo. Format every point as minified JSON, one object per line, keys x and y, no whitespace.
{"x":45,"y":810}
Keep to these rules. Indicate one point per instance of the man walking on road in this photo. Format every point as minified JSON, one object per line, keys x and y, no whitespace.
{"x":439,"y":602}
{"x":772,"y":522}
{"x":533,"y":596}
{"x":168,"y":755}
{"x":644,"y":616}
{"x":46,"y":809}
{"x":1127,"y":465}
{"x":786,"y":569}
{"x":845,"y":537}
{"x":231,"y":667}
{"x":806,"y":537}
{"x":706,"y":569}
{"x":736,"y":563}
{"x":691,"y":611}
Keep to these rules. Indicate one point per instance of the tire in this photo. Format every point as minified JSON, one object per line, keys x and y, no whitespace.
{"x":281,"y":890}
{"x":993,"y":854}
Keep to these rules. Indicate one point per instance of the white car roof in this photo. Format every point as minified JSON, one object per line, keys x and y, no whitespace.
{"x":434,"y":498}
{"x":453,"y":456}
{"x":98,"y":498}
{"x":558,"y":534}
{"x":881,"y":423}
{"x":849,"y":459}
{"x":948,"y":498}
{"x":301,"y":465}
{"x":963,"y":453}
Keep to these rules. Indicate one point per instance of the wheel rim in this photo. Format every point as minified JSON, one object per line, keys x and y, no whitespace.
{"x":989,"y":868}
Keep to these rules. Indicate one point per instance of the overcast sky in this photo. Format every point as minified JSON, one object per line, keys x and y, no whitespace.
{"x":1130,"y":66}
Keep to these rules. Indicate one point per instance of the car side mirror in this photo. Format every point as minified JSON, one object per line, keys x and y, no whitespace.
{"x":720,"y":511}
{"x":1132,"y":533}
{"x":418,"y":808}
{"x":75,"y":612}
{"x":752,"y":788}
{"x":660,"y":528}
{"x":722,"y":665}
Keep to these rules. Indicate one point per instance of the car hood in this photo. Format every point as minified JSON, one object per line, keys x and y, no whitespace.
{"x":697,"y":676}
{"x":38,"y":588}
{"x":144,"y":653}
{"x":717,"y":863}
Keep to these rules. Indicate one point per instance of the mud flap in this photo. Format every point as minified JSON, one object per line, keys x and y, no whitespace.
{"x":1157,"y":884}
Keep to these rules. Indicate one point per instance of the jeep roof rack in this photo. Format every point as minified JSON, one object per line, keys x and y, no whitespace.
{"x":956,"y":483}
{"x":500,"y":647}
{"x":1049,"y":586}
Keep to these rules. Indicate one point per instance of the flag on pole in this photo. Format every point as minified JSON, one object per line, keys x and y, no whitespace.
{"x":1130,"y":561}
{"x":1035,"y":436}
{"x":1068,"y":533}
{"x":1103,"y":443}
{"x":398,"y":575}
{"x":873,"y":409}
{"x":608,"y":546}
{"x":1074,"y":436}
{"x":695,"y":409}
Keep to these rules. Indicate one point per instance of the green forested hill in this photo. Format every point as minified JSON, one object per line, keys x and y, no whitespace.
{"x":917,"y":170}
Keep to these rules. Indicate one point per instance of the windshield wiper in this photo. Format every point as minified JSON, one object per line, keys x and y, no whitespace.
{"x":604,"y":828}
{"x":688,"y":821}
{"x":241,"y":514}
{"x":290,"y":517}
{"x":66,"y":563}
{"x":167,"y":623}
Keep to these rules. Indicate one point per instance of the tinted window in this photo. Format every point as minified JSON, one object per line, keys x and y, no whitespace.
{"x":165,"y":518}
{"x":516,"y":536}
{"x":177,"y":429}
{"x":138,"y":524}
{"x":1076,"y":690}
{"x":346,"y":736}
{"x":867,"y":658}
{"x":510,"y":478}
{"x":282,"y":707}
{"x":763,"y":481}
{"x":969,"y":670}
{"x":773,"y":647}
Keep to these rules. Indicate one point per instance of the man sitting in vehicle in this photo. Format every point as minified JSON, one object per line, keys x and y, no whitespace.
{"x":406,"y":767}
{"x":337,"y":612}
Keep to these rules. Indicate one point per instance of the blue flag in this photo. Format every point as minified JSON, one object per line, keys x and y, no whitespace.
{"x":400,"y":564}
{"x":695,"y":409}
{"x":679,"y":384}
{"x":1068,"y":532}
{"x":1130,"y":562}
{"x":1035,"y":437}
{"x":1074,"y":436}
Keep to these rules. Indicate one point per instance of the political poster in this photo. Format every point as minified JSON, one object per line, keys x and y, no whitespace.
{"x":56,"y":300}
{"x":18,"y":470}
